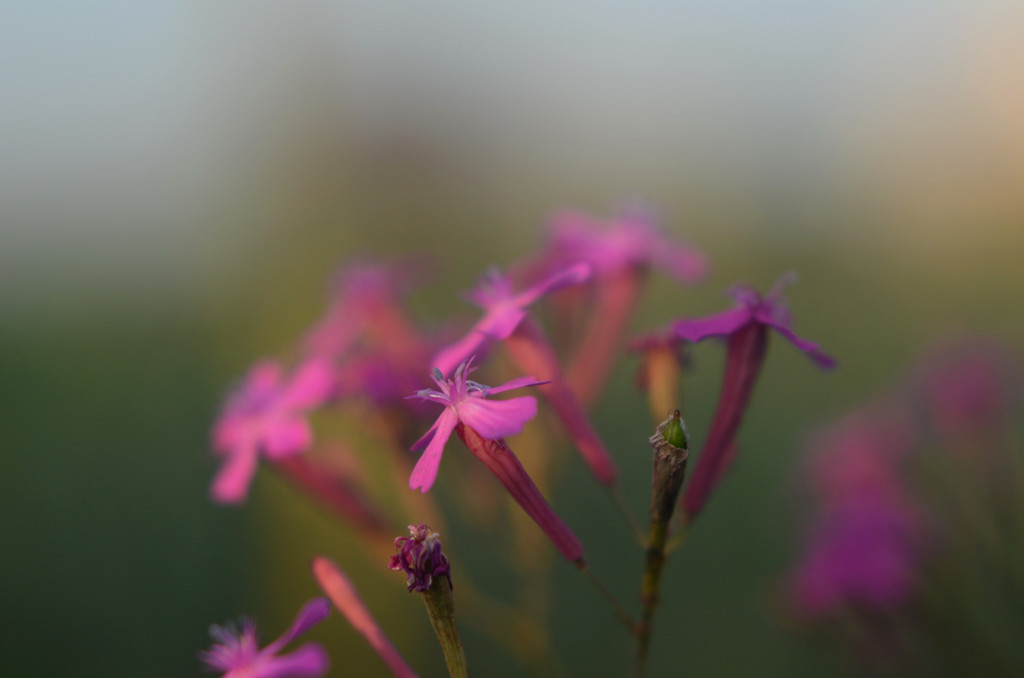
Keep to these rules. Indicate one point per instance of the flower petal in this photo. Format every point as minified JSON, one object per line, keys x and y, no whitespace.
{"x":231,"y":485}
{"x":495,"y":419}
{"x":425,"y":471}
{"x":726,"y":322}
{"x":809,"y":347}
{"x":346,"y":599}
{"x":285,"y":436}
{"x":521,"y":382}
{"x":310,"y":385}
{"x":684,"y":263}
{"x":311,"y":614}
{"x":309,"y":661}
{"x":450,"y":357}
{"x":573,"y":275}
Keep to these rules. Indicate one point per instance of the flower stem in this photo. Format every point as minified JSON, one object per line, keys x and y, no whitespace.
{"x":669,"y":470}
{"x":441,"y":610}
{"x":620,"y":612}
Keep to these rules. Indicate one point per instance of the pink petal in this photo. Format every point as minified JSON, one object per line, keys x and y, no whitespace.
{"x":309,"y":661}
{"x":521,"y":382}
{"x":426,"y":438}
{"x":262,"y":379}
{"x":285,"y":436}
{"x":310,"y":385}
{"x":229,"y":432}
{"x":495,"y":419}
{"x":726,"y":322}
{"x":500,"y":321}
{"x":425,"y":471}
{"x":346,"y":599}
{"x":573,"y":275}
{"x":311,"y":614}
{"x":231,"y":485}
{"x":450,"y":357}
{"x":684,"y":263}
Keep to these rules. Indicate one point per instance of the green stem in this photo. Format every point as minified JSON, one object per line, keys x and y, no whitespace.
{"x":669,"y":470}
{"x":441,"y":609}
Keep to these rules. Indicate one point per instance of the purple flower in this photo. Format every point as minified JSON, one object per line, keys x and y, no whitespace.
{"x":628,"y":241}
{"x":747,"y":329}
{"x":237,"y":653}
{"x":267,"y":414}
{"x":466,"y":401}
{"x":504,"y":310}
{"x":420,"y":557}
{"x":863,"y":553}
{"x":752,"y":308}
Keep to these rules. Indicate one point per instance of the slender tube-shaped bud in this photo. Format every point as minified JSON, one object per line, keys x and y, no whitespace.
{"x":429,"y":573}
{"x":346,"y":599}
{"x":497,"y":456}
{"x":535,"y":355}
{"x":744,"y":359}
{"x":671,"y":450}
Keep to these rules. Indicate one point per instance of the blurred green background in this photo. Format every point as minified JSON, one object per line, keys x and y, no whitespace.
{"x":178,"y":180}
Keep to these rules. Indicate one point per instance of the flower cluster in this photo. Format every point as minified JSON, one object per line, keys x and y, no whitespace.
{"x":361,"y":370}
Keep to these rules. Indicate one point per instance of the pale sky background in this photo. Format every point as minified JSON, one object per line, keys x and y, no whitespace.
{"x":129,"y":130}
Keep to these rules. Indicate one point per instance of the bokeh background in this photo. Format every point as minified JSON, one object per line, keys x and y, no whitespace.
{"x":178,"y":180}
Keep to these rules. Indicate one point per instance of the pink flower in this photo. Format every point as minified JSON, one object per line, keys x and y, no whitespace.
{"x":466,"y":401}
{"x":628,"y":241}
{"x":366,"y":297}
{"x":267,"y":414}
{"x":747,"y":329}
{"x":238,"y":655}
{"x":752,"y":308}
{"x":504,"y":310}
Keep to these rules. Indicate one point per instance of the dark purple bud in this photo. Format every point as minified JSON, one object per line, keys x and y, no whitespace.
{"x":420,"y":557}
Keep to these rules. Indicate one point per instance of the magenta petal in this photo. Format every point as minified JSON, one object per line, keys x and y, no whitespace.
{"x":495,"y":419}
{"x":425,"y":472}
{"x":726,"y":322}
{"x":684,"y":263}
{"x":521,"y":382}
{"x":287,"y":436}
{"x":311,"y":614}
{"x":500,"y":321}
{"x":231,"y":485}
{"x":426,"y":437}
{"x":262,"y":379}
{"x":310,"y":385}
{"x":309,"y":661}
{"x":809,"y":347}
{"x":573,"y":275}
{"x":229,"y":432}
{"x":450,"y":357}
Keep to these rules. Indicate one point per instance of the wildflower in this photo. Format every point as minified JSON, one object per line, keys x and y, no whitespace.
{"x":621,"y":252}
{"x":365,"y":299}
{"x":504,"y":310}
{"x":481,"y":425}
{"x":420,"y":557}
{"x":863,"y":553}
{"x":237,"y":653}
{"x":267,"y":415}
{"x":466,"y":401}
{"x":346,"y":599}
{"x":632,"y":240}
{"x":747,"y":329}
{"x":753,"y":310}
